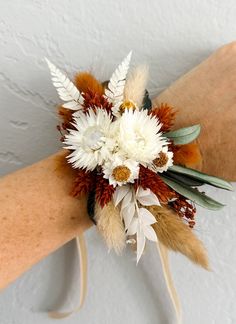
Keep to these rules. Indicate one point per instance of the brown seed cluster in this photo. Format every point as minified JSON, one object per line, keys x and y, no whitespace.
{"x":121,"y":173}
{"x":127,"y":104}
{"x":185,"y":209}
{"x":161,"y":160}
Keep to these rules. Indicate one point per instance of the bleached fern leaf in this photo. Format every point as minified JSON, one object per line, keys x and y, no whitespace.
{"x":116,"y":85}
{"x":66,"y":89}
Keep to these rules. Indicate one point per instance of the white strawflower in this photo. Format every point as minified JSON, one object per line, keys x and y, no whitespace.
{"x":90,"y":141}
{"x":139,"y":136}
{"x":163,"y":161}
{"x":120,"y":171}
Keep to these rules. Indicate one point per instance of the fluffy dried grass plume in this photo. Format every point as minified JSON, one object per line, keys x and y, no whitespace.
{"x":85,"y":82}
{"x":177,"y":236}
{"x":136,"y":84}
{"x":110,"y":225}
{"x":188,"y":155}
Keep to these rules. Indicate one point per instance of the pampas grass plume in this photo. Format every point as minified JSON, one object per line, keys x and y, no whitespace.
{"x":85,"y":82}
{"x":136,"y":84}
{"x":110,"y":225}
{"x":177,"y":236}
{"x":188,"y":155}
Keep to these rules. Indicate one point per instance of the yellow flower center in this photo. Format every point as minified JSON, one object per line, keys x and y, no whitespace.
{"x":161,"y":160}
{"x":121,"y":173}
{"x":127,"y":104}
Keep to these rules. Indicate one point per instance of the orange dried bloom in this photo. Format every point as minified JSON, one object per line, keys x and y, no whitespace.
{"x":104,"y":190}
{"x":188,"y":155}
{"x":166,"y":116}
{"x":84,"y":182}
{"x":85,"y":82}
{"x":151,"y":180}
{"x":66,"y":115}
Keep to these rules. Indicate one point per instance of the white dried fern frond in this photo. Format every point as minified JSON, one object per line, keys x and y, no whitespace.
{"x":66,"y":89}
{"x":115,"y":88}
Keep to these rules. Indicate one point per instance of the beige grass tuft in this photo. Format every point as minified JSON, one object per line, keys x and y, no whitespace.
{"x":136,"y":84}
{"x":110,"y":225}
{"x":177,"y":236}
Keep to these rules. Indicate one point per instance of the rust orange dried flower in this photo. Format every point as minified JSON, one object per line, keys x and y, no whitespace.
{"x":166,"y":116}
{"x":66,"y":115}
{"x":93,"y":100}
{"x":104,"y":190}
{"x":84,"y":182}
{"x":151,"y":180}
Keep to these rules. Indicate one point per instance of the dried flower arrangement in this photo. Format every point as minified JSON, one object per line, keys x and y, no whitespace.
{"x":130,"y":161}
{"x":138,"y":173}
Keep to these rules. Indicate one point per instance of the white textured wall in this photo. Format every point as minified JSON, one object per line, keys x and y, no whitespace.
{"x":172,"y":36}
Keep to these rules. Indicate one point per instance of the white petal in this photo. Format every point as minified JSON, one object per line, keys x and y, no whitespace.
{"x":139,"y":136}
{"x":150,"y":233}
{"x":142,"y":192}
{"x":72,"y":105}
{"x":127,"y":199}
{"x":140,"y":244}
{"x":147,"y":197}
{"x":165,"y":149}
{"x":85,"y":138}
{"x":133,"y":227}
{"x":128,"y":214}
{"x":146,"y":217}
{"x":120,"y":193}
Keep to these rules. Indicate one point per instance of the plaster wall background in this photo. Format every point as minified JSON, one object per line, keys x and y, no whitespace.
{"x":172,"y":37}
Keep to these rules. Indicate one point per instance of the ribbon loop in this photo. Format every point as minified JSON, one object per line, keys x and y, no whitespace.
{"x":82,"y":250}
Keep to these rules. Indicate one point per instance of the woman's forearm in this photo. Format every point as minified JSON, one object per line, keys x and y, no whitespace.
{"x":207,"y":95}
{"x":37,"y":215}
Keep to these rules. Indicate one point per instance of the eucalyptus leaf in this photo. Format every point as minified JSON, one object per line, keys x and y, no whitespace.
{"x":213,"y":181}
{"x":197,"y":197}
{"x":189,"y":181}
{"x":184,"y":135}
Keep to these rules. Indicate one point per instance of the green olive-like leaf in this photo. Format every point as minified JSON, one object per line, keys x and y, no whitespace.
{"x":188,"y":181}
{"x":193,"y":194}
{"x":211,"y":180}
{"x":184,"y":135}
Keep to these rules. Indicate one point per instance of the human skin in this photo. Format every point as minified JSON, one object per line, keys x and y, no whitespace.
{"x":37,"y":213}
{"x":207,"y":95}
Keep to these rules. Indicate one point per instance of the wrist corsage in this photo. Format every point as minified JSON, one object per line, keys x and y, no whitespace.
{"x":137,"y":171}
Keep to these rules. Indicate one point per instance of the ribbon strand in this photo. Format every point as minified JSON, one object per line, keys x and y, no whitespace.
{"x":163,"y":252}
{"x":82,"y":250}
